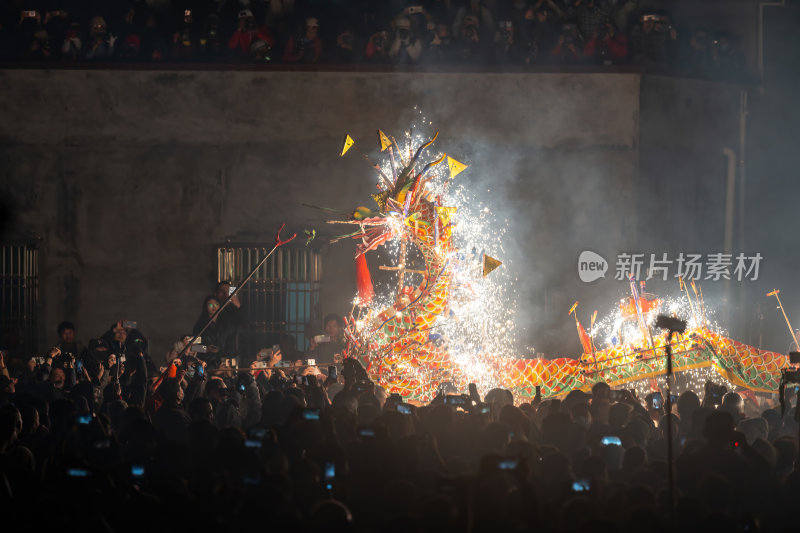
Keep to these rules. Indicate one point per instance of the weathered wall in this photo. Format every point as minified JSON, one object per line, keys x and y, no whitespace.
{"x":132,"y":178}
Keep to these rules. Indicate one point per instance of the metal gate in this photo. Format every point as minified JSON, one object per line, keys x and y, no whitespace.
{"x":19,"y":293}
{"x":282,"y":297}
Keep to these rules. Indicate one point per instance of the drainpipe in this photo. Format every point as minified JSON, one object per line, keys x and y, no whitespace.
{"x":730,"y":194}
{"x":760,"y":59}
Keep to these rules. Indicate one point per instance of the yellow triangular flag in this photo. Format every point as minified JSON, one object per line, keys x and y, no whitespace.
{"x":489,"y":263}
{"x":380,"y":199}
{"x":348,"y":142}
{"x":445,"y":213}
{"x":411,"y":220}
{"x":385,"y":142}
{"x":455,"y":166}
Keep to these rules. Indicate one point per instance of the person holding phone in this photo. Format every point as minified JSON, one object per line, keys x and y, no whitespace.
{"x":214,"y":336}
{"x":232,"y":316}
{"x":405,"y":47}
{"x":68,"y":344}
{"x":326,"y":349}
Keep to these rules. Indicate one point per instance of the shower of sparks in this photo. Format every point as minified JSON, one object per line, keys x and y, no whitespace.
{"x":614,"y":329}
{"x":470,"y":334}
{"x":478,"y":324}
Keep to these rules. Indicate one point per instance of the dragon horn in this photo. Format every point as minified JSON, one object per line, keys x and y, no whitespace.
{"x":421,"y":148}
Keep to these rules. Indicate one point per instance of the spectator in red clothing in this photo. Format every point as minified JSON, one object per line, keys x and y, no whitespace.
{"x":378,"y":47}
{"x":306,"y":47}
{"x":606,"y":45}
{"x":246,"y":33}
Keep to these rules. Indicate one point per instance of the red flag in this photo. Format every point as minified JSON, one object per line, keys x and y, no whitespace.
{"x":586,"y":342}
{"x":364,"y":281}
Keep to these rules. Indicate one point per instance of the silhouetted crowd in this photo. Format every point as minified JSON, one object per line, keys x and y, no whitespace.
{"x":431,"y":32}
{"x":96,"y":438}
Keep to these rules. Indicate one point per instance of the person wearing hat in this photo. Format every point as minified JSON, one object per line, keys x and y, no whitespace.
{"x":246,"y":33}
{"x":406,"y":47}
{"x":306,"y":47}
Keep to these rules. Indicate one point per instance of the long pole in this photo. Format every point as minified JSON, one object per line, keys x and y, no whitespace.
{"x":683,"y":287}
{"x":668,"y":403}
{"x":278,"y":243}
{"x":791,"y":329}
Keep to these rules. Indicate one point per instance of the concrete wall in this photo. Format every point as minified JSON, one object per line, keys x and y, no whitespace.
{"x":131,"y":178}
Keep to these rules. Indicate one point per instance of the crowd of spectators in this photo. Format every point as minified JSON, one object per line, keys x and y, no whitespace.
{"x":416,"y":32}
{"x":96,"y":438}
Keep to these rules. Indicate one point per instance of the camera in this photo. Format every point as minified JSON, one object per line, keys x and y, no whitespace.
{"x":198,"y":348}
{"x":310,"y":413}
{"x":403,"y":34}
{"x":77,"y":472}
{"x":137,"y":471}
{"x":508,"y":464}
{"x":129,"y":324}
{"x":582,"y":485}
{"x":405,"y":408}
{"x":715,"y":392}
{"x":670,"y":323}
{"x":656,"y":400}
{"x":611,"y":440}
{"x":366,"y":433}
{"x":330,"y":474}
{"x":456,"y":400}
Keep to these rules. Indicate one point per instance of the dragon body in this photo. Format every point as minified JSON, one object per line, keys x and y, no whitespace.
{"x":402,"y":352}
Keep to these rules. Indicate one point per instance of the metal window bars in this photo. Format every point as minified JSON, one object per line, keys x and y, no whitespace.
{"x":282,"y":297}
{"x":19,"y":293}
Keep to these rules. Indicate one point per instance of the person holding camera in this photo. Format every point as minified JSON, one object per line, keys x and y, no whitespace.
{"x":184,"y":41}
{"x":327,"y":348}
{"x":654,"y":40}
{"x":569,"y":48}
{"x":101,"y":43}
{"x":474,"y":14}
{"x":506,"y":49}
{"x":247,"y":31}
{"x":607,"y":45}
{"x":439,"y":48}
{"x":377,"y":50}
{"x":469,"y":46}
{"x":347,"y":51}
{"x":68,"y":344}
{"x":406,"y":47}
{"x":306,"y":47}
